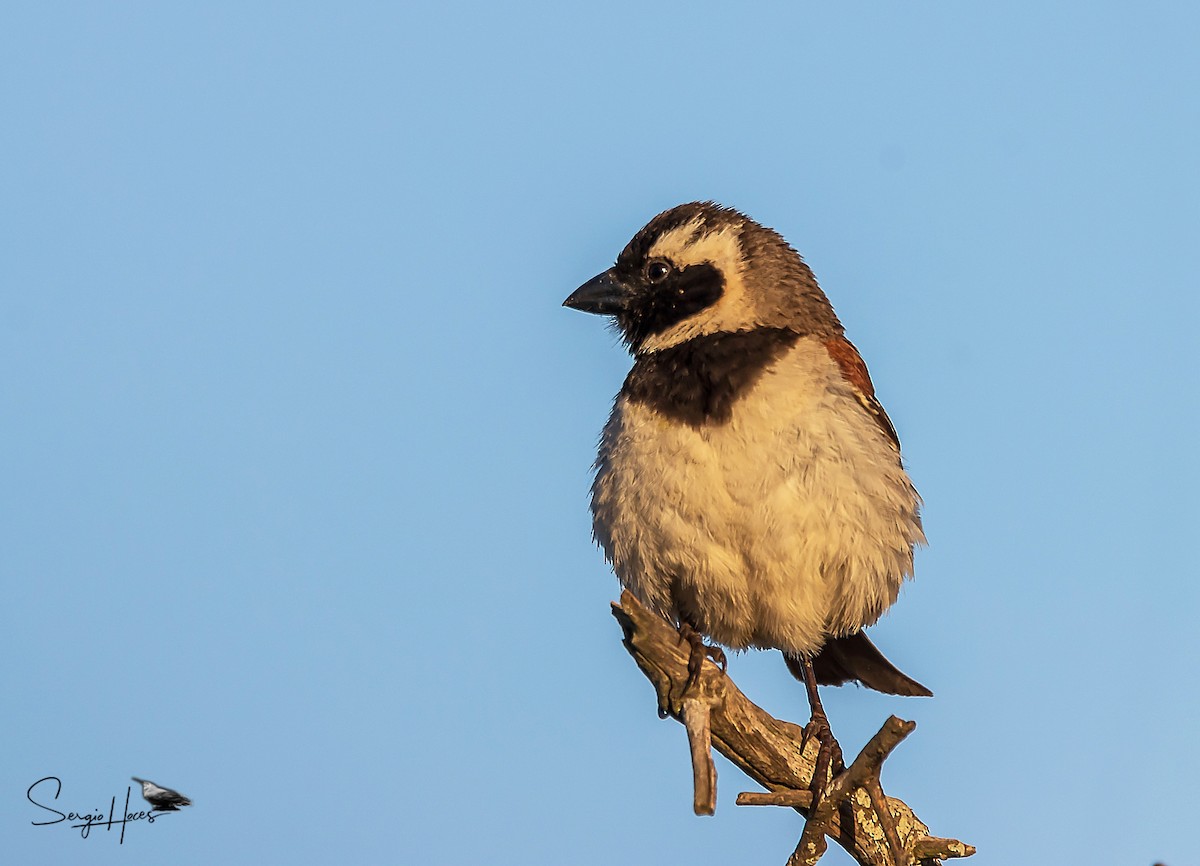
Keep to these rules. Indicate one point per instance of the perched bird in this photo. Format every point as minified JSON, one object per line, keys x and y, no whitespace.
{"x":749,"y":485}
{"x":162,"y":799}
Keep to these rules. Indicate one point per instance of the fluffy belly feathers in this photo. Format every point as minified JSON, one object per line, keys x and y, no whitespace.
{"x":789,"y":523}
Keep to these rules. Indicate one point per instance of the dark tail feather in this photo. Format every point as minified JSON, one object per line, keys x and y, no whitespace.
{"x":854,"y":657}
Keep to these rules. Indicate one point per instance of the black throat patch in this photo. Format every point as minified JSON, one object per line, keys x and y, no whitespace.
{"x":698,"y":381}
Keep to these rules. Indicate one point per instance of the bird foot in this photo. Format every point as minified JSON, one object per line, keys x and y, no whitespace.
{"x":831,"y":779}
{"x":830,"y":761}
{"x":698,"y":653}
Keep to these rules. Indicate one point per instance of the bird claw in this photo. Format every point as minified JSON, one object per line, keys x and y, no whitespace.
{"x":717,"y":655}
{"x":699,"y":651}
{"x":830,"y":761}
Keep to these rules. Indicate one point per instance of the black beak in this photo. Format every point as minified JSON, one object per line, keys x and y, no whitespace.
{"x":602,"y":294}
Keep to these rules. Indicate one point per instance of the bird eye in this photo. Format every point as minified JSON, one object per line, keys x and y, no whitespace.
{"x":657,"y":270}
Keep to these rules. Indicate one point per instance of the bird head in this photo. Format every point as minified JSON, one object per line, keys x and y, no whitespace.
{"x":700,"y":269}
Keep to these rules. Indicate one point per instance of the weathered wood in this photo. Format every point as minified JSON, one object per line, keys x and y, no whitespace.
{"x":862,"y":774}
{"x":696,"y":714}
{"x":773,"y":752}
{"x":794,"y":799}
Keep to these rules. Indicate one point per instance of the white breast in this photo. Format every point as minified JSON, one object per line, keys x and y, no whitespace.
{"x":789,"y":523}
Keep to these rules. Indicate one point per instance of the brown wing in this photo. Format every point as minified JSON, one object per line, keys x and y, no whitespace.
{"x":855,"y":371}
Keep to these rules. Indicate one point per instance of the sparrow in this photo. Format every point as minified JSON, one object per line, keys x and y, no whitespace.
{"x":162,"y":799}
{"x":749,"y":485}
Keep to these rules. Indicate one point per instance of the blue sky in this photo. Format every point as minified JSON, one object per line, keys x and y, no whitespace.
{"x":297,"y":437}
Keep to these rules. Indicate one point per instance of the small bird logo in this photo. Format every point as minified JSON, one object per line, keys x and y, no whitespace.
{"x":162,"y":799}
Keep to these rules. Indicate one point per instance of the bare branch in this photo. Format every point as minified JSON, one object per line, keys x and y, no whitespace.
{"x":775,"y":753}
{"x":696,"y":714}
{"x":795,"y":799}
